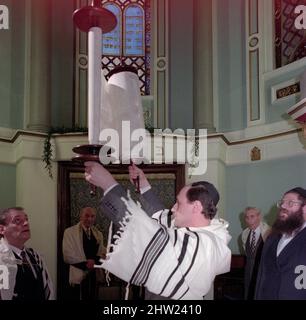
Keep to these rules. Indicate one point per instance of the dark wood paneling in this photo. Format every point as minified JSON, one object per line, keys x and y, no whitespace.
{"x":230,"y":285}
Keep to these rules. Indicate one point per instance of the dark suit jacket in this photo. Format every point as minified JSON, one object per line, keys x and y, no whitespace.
{"x":276,"y":277}
{"x":251,"y":268}
{"x":114,"y":208}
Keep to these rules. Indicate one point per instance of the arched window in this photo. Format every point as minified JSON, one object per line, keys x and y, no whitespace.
{"x":129,"y":42}
{"x":112,"y":42}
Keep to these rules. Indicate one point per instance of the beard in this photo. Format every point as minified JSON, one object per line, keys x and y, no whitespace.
{"x":293,"y":222}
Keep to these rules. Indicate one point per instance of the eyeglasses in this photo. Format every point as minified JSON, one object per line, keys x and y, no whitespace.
{"x":19,"y":220}
{"x":290,"y":203}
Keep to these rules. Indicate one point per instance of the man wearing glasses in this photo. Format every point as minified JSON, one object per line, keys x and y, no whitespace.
{"x":284,"y":252}
{"x":28,"y":276}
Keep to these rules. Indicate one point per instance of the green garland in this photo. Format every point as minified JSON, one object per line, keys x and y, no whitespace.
{"x":48,"y":152}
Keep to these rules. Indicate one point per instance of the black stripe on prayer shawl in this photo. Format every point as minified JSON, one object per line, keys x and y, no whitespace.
{"x":191,"y":264}
{"x":38,"y":266}
{"x":160,"y":218}
{"x":165,"y":218}
{"x":169,"y":218}
{"x":46,"y":288}
{"x":151,"y":254}
{"x":34,"y":261}
{"x":175,"y":237}
{"x":181,"y":297}
{"x":180,"y":259}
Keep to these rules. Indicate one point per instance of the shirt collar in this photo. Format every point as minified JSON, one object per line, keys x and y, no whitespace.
{"x":257,"y":230}
{"x":85,"y":229}
{"x":16,"y":250}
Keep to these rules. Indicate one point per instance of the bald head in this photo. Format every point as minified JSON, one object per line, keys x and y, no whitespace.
{"x":88,"y":216}
{"x":252,"y":217}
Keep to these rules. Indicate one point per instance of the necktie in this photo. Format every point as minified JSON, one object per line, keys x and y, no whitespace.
{"x":88,"y":233}
{"x":253,"y":241}
{"x":26,"y":267}
{"x":23,"y":257}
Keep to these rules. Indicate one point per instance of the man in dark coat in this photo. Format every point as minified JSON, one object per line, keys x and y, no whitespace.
{"x":283,"y":258}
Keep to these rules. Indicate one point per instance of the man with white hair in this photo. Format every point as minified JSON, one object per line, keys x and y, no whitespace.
{"x":253,"y":238}
{"x":82,"y":248}
{"x":29,"y":279}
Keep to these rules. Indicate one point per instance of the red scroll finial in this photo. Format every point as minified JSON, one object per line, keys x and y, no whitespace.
{"x":94,"y":16}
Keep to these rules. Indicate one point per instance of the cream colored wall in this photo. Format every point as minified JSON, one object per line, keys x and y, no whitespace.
{"x":37,"y":193}
{"x":216,"y":166}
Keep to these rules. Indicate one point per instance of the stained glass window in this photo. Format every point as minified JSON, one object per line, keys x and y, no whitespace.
{"x":129,"y":42}
{"x":134,"y":31}
{"x":111,"y":43}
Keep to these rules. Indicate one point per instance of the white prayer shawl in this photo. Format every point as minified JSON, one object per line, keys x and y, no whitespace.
{"x":175,"y":263}
{"x":73,"y":251}
{"x":7,"y":258}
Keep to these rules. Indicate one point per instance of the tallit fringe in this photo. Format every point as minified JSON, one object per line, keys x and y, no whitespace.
{"x":109,"y":239}
{"x":117,"y":237}
{"x":123,"y":225}
{"x":127,"y":291}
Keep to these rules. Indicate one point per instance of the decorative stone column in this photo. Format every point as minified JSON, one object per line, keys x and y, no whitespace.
{"x":39,"y":69}
{"x":203,"y":62}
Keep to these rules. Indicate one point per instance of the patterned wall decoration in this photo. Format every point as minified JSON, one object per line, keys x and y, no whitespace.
{"x":289,"y":41}
{"x":288,"y":91}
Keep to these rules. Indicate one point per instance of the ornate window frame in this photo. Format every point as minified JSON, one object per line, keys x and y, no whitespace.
{"x":155,"y":105}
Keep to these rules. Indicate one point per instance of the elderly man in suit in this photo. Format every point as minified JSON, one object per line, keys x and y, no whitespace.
{"x":253,"y":238}
{"x":82,"y":248}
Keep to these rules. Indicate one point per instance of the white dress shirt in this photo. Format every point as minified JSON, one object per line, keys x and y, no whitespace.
{"x":18,"y":253}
